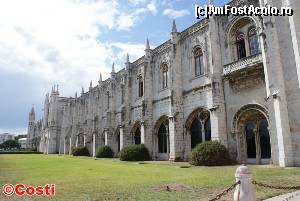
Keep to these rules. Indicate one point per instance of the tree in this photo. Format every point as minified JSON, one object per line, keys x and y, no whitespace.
{"x":10,"y":144}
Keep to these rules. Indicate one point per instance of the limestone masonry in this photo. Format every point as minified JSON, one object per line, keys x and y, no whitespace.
{"x":231,"y":79}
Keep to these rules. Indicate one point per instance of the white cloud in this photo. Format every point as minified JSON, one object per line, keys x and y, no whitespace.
{"x":126,"y":21}
{"x":56,"y":40}
{"x":152,"y":7}
{"x":135,"y":50}
{"x":137,"y":1}
{"x":172,"y":13}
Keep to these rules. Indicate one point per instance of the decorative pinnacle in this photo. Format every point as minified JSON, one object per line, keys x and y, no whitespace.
{"x":91,"y":84}
{"x":147,"y":44}
{"x":100,"y":78}
{"x":75,"y":94}
{"x":127,"y":58}
{"x":113,"y":68}
{"x":174,"y":29}
{"x":82,"y":90}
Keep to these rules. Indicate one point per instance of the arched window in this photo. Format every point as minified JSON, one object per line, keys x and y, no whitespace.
{"x":164,"y":76}
{"x":196,"y":133}
{"x":253,"y":41}
{"x":107,"y":99}
{"x":250,"y":139}
{"x":264,"y":137}
{"x":162,"y":139}
{"x":207,"y":130}
{"x":240,"y":45}
{"x":137,"y":136}
{"x":198,"y":58}
{"x":141,"y":87}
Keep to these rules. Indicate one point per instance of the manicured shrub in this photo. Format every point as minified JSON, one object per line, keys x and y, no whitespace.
{"x":135,"y":153}
{"x":105,"y":152}
{"x":80,"y":151}
{"x":210,"y":153}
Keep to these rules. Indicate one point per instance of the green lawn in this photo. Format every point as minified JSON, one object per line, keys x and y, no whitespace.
{"x":85,"y":178}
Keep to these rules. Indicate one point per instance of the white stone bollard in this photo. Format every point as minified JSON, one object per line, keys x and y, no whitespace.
{"x":243,"y":191}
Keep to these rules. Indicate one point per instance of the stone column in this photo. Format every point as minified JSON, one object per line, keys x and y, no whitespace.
{"x":218,"y":128}
{"x":70,"y":146}
{"x":64,"y":145}
{"x":94,"y":145}
{"x":143,"y":133}
{"x":257,"y":142}
{"x":76,"y":141}
{"x":243,"y":191}
{"x":188,"y":148}
{"x":121,"y":137}
{"x":176,"y":139}
{"x":84,"y":137}
{"x":106,"y":137}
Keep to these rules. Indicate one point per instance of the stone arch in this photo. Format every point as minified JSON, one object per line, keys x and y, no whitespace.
{"x":197,"y":128}
{"x":197,"y":113}
{"x":231,"y":34}
{"x":161,"y":140}
{"x":117,"y":139}
{"x":246,"y":126}
{"x":136,"y":133}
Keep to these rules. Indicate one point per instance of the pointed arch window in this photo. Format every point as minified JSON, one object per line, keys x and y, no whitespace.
{"x":162,"y":139}
{"x":164,"y":76}
{"x":253,"y":41}
{"x":141,"y":86}
{"x":240,"y":45}
{"x":198,"y":60}
{"x":107,"y":99}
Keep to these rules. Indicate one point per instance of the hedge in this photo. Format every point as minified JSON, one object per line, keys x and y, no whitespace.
{"x":210,"y":153}
{"x":105,"y":152}
{"x":135,"y":153}
{"x":80,"y":151}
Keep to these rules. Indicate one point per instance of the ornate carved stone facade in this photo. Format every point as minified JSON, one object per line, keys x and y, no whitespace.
{"x":242,"y":89}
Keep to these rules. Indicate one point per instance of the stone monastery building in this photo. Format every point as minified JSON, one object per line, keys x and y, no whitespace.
{"x":235,"y":79}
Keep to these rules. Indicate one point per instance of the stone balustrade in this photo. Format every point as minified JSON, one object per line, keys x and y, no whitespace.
{"x":242,"y":64}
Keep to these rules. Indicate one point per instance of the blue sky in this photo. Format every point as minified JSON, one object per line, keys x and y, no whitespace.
{"x":69,"y":42}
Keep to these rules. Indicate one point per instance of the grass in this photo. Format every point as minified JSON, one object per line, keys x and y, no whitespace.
{"x":85,"y":178}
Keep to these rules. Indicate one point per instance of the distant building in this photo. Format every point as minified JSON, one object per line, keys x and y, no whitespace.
{"x":22,"y":142}
{"x":6,"y":136}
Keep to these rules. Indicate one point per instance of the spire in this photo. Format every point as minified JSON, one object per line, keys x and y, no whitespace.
{"x":174,"y":29}
{"x":75,"y":94}
{"x":91,"y":85}
{"x":100,"y":78}
{"x":147,"y":44}
{"x":57,"y":91}
{"x":32,"y":110}
{"x":127,"y":58}
{"x":82,"y":91}
{"x":113,"y":68}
